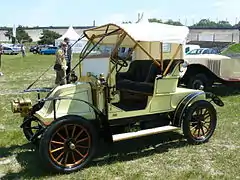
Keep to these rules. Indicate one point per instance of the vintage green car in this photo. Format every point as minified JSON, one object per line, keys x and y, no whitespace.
{"x":111,"y":94}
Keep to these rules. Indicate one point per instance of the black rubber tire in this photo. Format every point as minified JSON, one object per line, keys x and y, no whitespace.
{"x":48,"y":162}
{"x":28,"y":132}
{"x":188,"y":119}
{"x":197,"y":80}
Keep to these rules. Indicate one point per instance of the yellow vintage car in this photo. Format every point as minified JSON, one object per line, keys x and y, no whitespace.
{"x":112,"y":94}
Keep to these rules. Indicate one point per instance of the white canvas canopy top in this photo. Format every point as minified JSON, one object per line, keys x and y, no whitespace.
{"x":143,"y":32}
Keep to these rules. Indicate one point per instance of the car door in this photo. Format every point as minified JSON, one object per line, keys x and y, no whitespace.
{"x":7,"y":50}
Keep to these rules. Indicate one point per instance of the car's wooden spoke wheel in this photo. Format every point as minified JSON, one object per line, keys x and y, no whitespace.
{"x":199,"y":122}
{"x":200,"y":125}
{"x":70,"y":145}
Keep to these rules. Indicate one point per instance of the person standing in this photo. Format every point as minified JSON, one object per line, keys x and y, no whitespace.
{"x":1,"y":52}
{"x":60,"y":65}
{"x":23,"y":50}
{"x":68,"y":57}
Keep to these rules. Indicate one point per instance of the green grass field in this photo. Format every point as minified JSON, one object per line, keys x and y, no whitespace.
{"x":235,"y":48}
{"x":165,"y":156}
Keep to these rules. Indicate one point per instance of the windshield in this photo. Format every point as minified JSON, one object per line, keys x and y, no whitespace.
{"x":96,"y":58}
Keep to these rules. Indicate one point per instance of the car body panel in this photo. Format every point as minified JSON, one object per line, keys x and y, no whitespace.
{"x":49,"y":50}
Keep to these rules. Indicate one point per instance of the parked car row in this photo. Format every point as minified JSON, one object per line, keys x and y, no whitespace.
{"x":10,"y":51}
{"x":43,"y":49}
{"x":203,"y":51}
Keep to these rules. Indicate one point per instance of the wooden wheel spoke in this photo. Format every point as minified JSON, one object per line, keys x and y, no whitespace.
{"x":84,"y":147}
{"x":58,"y":149}
{"x":81,"y":140}
{"x":73,"y":131}
{"x":205,"y":112}
{"x":203,"y":133}
{"x":199,"y":111}
{"x":193,"y":127}
{"x":78,"y":134}
{"x":206,"y":122}
{"x":199,"y":129}
{"x":195,"y":130}
{"x":206,"y":127}
{"x":193,"y":124}
{"x":206,"y":116}
{"x":79,"y":153}
{"x":73,"y":157}
{"x":57,"y":142}
{"x":61,"y":136}
{"x":194,"y":119}
{"x":66,"y":130}
{"x":66,"y":158}
{"x":60,"y":155}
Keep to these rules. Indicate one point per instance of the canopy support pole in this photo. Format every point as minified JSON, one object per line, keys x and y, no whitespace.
{"x":140,"y":46}
{"x":174,"y":56}
{"x":161,"y":55}
{"x":120,"y":40}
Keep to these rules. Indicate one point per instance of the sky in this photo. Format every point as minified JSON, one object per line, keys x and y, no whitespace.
{"x":84,"y":12}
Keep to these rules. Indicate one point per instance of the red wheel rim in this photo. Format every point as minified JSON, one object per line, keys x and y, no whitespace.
{"x":70,"y":145}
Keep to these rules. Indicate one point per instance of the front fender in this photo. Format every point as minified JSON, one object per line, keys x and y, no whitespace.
{"x":182,"y":106}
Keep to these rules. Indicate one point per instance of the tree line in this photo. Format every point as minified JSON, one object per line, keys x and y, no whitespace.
{"x":48,"y":36}
{"x":203,"y":23}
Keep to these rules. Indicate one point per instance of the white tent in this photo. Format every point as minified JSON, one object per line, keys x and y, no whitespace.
{"x":73,"y":36}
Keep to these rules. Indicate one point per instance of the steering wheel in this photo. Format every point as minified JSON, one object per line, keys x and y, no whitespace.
{"x":121,"y":62}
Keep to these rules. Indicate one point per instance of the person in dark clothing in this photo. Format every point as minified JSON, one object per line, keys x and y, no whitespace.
{"x":1,"y":52}
{"x":68,"y":57}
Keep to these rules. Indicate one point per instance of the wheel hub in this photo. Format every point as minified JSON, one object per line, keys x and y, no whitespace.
{"x":197,"y":84}
{"x":72,"y":146}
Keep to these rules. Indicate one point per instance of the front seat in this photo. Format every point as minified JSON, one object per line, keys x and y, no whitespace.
{"x":139,"y":78}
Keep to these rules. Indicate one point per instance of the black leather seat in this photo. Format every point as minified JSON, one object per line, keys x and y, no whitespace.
{"x":141,"y":75}
{"x":139,"y":78}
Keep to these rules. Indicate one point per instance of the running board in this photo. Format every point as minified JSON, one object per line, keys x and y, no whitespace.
{"x":146,"y":132}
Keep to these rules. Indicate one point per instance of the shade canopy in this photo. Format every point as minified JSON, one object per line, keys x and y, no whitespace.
{"x":71,"y":34}
{"x":73,"y":37}
{"x":141,"y":32}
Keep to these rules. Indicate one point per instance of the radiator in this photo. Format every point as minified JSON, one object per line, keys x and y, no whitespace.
{"x":214,"y":66}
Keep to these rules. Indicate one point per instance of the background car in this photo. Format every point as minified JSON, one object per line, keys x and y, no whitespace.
{"x":37,"y":48}
{"x":203,"y":51}
{"x":49,"y":50}
{"x":10,"y":51}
